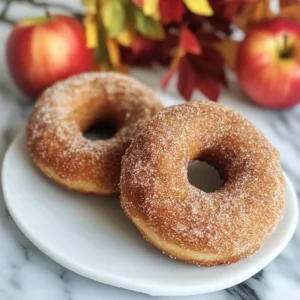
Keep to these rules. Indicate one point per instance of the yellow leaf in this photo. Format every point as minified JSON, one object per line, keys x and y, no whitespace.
{"x":90,"y":5}
{"x":113,"y":16}
{"x":126,"y":36}
{"x":113,"y":52}
{"x":114,"y":56}
{"x":199,"y":7}
{"x":91,"y":35}
{"x":228,"y":49}
{"x":150,"y":8}
{"x":291,"y":12}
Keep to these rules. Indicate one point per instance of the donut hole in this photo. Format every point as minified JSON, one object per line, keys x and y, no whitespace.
{"x":100,"y":131}
{"x":204,"y":176}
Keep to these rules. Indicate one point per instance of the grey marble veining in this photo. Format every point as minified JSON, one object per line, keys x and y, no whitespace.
{"x":27,"y":274}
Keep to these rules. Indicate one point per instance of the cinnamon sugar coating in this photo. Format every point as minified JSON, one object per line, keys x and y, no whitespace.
{"x":189,"y":224}
{"x":64,"y":111}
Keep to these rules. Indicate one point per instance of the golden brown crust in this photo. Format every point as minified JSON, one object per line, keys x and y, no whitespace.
{"x":63,"y":112}
{"x":204,"y":228}
{"x":200,"y":262}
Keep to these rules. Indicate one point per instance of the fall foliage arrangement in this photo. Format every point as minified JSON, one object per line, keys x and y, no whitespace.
{"x":192,"y":37}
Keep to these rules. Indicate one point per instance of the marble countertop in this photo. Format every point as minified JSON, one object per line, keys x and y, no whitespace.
{"x":28,"y":274}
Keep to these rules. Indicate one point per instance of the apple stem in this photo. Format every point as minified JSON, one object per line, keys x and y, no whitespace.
{"x":285,"y":43}
{"x":286,"y":51}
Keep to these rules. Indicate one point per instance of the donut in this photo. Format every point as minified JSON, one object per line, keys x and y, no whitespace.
{"x":206,"y":229}
{"x":66,"y":110}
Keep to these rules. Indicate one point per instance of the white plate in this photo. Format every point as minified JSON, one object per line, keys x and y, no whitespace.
{"x":92,"y":237}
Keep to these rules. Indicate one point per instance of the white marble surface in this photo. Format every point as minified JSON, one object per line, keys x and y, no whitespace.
{"x":27,"y":274}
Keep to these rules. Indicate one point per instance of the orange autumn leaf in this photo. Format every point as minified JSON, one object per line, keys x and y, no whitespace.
{"x":261,"y":11}
{"x":228,"y":49}
{"x":253,"y":13}
{"x":291,"y":12}
{"x":284,"y":3}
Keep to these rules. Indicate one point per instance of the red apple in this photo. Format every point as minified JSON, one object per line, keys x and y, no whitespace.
{"x":268,"y":63}
{"x":41,"y":51}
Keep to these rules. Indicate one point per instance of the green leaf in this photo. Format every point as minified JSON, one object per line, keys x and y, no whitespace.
{"x":146,"y":25}
{"x":113,"y":15}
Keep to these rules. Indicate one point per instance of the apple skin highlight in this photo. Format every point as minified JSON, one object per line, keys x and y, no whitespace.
{"x":268,"y":64}
{"x":41,"y":52}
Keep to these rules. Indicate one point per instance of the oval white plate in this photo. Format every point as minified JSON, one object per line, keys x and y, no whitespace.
{"x":92,"y":237}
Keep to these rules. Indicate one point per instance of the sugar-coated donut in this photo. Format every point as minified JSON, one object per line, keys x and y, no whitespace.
{"x":206,"y":229}
{"x":63,"y":112}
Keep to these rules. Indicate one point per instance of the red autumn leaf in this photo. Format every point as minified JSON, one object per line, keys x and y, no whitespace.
{"x":207,"y":37}
{"x":193,"y":22}
{"x":220,"y":23}
{"x":163,"y":49}
{"x":142,"y":45}
{"x":229,"y":8}
{"x":171,"y":10}
{"x":204,"y":72}
{"x":189,"y":80}
{"x":140,"y":53}
{"x":210,"y":63}
{"x":144,"y":51}
{"x":189,"y":42}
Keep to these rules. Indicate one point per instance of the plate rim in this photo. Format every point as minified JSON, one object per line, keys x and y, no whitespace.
{"x":121,"y":282}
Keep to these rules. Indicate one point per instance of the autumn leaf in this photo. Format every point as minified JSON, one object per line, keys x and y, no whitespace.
{"x":114,"y":56}
{"x":285,"y":3}
{"x":204,"y":72}
{"x":189,"y":80}
{"x":163,"y":50}
{"x":140,"y":53}
{"x":261,"y":10}
{"x":171,"y":10}
{"x":146,"y":25}
{"x":189,"y":42}
{"x":199,"y":7}
{"x":210,"y":63}
{"x":229,"y":8}
{"x":145,"y":51}
{"x":126,"y":36}
{"x":253,"y":13}
{"x":291,"y":12}
{"x":90,"y":26}
{"x":109,"y":10}
{"x":220,"y":23}
{"x":150,"y":8}
{"x":228,"y":49}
